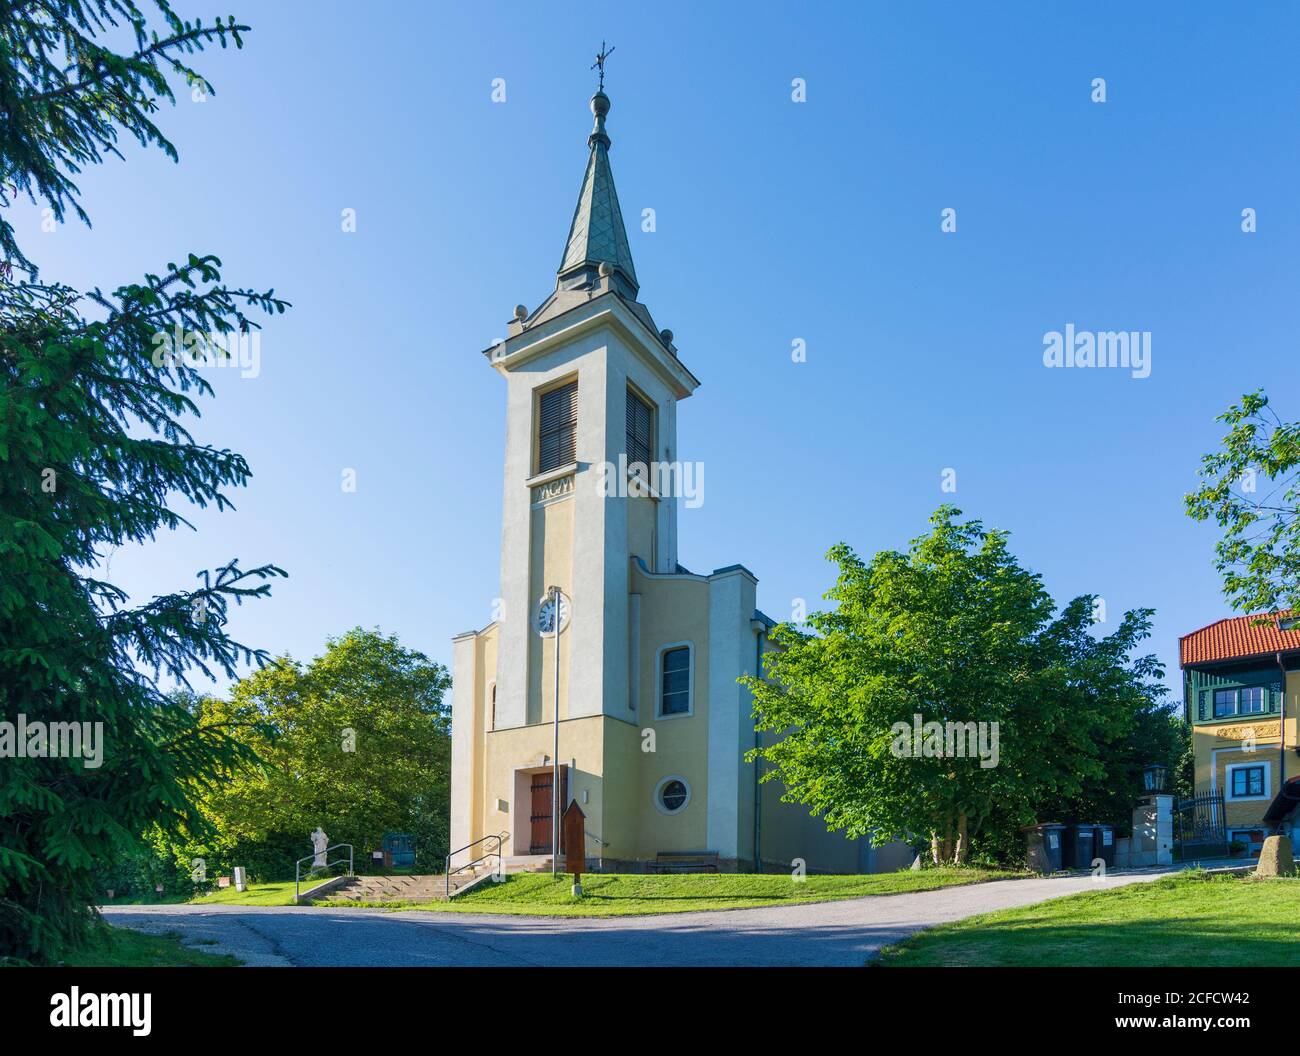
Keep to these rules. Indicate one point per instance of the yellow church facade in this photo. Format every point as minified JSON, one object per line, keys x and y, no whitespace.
{"x":653,"y":724}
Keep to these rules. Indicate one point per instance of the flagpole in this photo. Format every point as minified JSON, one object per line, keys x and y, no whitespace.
{"x":555,"y":751}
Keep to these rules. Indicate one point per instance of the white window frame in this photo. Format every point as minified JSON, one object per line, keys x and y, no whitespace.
{"x":1264,"y":698}
{"x":690,"y":682}
{"x":658,"y":793}
{"x":1228,"y":797}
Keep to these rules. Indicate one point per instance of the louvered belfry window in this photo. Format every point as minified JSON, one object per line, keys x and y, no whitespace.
{"x":640,"y":420}
{"x":557,"y":430}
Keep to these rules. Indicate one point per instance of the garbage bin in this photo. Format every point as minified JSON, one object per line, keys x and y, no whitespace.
{"x":1103,"y":843}
{"x":1043,"y":844}
{"x":399,"y":850}
{"x":1076,"y":850}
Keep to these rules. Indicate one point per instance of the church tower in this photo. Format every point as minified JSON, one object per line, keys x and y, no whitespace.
{"x":582,"y":370}
{"x":653,"y":725}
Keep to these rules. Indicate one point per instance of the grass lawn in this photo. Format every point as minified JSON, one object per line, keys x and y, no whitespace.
{"x":617,"y":894}
{"x":144,"y":899}
{"x":620,"y":894}
{"x":272,"y":894}
{"x":1191,"y":919}
{"x":124,"y":948}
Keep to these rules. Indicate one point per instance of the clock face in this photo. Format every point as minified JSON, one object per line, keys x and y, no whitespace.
{"x":546,"y":614}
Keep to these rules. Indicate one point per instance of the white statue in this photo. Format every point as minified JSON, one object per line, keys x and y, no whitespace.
{"x":319,"y":843}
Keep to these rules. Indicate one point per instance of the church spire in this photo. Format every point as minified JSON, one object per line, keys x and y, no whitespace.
{"x":597,"y":235}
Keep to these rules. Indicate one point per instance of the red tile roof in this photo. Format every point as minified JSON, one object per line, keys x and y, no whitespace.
{"x":1238,"y":637}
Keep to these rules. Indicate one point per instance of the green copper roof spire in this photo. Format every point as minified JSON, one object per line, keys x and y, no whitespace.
{"x":597,"y":235}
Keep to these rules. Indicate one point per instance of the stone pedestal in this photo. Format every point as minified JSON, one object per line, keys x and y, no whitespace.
{"x":1153,"y":831}
{"x":1276,"y":857}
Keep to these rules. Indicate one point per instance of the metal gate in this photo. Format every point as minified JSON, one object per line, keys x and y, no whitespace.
{"x":1200,"y":829}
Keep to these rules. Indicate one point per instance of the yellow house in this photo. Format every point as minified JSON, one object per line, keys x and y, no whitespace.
{"x":1241,"y":681}
{"x":653,"y":726}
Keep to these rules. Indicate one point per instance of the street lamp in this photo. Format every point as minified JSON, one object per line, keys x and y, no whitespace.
{"x":1153,"y":777}
{"x":552,"y":617}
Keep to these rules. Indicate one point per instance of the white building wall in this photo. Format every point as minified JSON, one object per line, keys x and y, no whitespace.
{"x":464,"y":681}
{"x":731,"y":641}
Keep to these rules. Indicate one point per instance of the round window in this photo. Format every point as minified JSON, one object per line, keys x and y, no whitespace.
{"x":672,"y":795}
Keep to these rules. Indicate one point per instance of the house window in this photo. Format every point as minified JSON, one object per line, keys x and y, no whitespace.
{"x":675,"y":681}
{"x":672,"y":794}
{"x":1252,"y":838}
{"x":492,"y":720}
{"x":1252,"y":701}
{"x":557,"y":428}
{"x":1225,"y":702}
{"x":1246,"y":782}
{"x":640,"y":420}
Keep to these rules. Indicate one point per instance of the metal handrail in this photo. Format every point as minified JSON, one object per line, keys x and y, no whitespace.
{"x":499,"y":837}
{"x":297,"y":869}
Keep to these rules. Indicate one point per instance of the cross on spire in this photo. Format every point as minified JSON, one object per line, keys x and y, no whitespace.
{"x":601,"y":56}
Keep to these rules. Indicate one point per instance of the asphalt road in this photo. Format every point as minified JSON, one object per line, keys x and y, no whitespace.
{"x":844,"y":933}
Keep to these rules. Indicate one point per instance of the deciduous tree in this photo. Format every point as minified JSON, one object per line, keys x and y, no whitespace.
{"x":954,"y":631}
{"x":357,"y":741}
{"x":1251,"y":489}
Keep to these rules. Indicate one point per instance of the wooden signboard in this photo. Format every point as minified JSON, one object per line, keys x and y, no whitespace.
{"x":574,"y":823}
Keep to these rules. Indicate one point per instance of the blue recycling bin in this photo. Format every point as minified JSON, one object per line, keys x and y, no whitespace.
{"x":1103,"y":843}
{"x":1076,"y":847}
{"x":1043,"y":846}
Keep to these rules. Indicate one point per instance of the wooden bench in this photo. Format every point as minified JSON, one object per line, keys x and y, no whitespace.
{"x":685,"y":862}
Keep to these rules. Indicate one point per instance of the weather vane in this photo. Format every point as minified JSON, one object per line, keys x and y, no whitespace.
{"x":600,"y":63}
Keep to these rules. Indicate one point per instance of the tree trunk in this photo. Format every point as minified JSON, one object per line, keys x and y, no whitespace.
{"x":948,"y":847}
{"x":962,"y":850}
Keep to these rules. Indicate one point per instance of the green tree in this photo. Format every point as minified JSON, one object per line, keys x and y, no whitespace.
{"x":953,"y":631}
{"x":1251,"y":488}
{"x":94,"y":455}
{"x":65,"y":97}
{"x":1183,"y":767}
{"x":357,"y":741}
{"x":1155,"y":735}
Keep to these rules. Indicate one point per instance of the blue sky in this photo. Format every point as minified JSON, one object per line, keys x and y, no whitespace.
{"x":775,"y":221}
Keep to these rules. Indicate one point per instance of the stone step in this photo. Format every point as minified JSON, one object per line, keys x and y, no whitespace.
{"x":424,"y":888}
{"x":528,"y":863}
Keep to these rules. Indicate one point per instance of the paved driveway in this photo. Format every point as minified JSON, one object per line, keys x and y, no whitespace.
{"x":823,"y":933}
